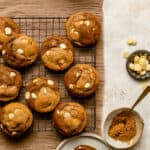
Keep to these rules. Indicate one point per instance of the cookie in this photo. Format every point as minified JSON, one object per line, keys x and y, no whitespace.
{"x":16,"y":119}
{"x":7,"y":28}
{"x":20,"y":51}
{"x":81,"y":80}
{"x":84,"y":147}
{"x":10,"y":83}
{"x":42,"y":95}
{"x":69,"y":118}
{"x":57,"y":53}
{"x":83,"y":29}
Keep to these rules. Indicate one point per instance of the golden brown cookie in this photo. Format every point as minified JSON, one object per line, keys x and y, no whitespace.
{"x":20,"y":51}
{"x":15,"y":118}
{"x":57,"y":53}
{"x":84,"y":147}
{"x":69,"y":118}
{"x":42,"y":95}
{"x":10,"y":83}
{"x":7,"y":28}
{"x":81,"y":80}
{"x":83,"y":29}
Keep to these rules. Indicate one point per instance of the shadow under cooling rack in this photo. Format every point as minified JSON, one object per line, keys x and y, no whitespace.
{"x":39,"y":28}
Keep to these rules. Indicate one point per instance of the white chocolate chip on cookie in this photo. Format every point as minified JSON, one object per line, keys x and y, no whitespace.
{"x":11,"y":116}
{"x":8,"y":31}
{"x":87,"y":85}
{"x":12,"y":74}
{"x":3,"y":52}
{"x":63,"y":45}
{"x":33,"y":95}
{"x":50,"y":82}
{"x":20,"y":51}
{"x":27,"y":95}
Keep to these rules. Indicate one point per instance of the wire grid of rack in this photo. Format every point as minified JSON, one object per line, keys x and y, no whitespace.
{"x":39,"y":28}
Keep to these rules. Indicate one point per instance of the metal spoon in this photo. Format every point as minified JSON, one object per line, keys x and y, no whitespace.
{"x":140,"y":98}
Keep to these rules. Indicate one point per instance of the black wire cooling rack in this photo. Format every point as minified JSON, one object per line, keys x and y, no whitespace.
{"x":39,"y":28}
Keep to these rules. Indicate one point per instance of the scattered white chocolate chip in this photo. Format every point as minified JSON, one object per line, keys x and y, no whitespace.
{"x":71,"y":86}
{"x":81,"y":22}
{"x":43,"y":90}
{"x":3,"y":86}
{"x":78,"y":74}
{"x":1,"y":126}
{"x":137,"y":67}
{"x":27,"y":95}
{"x":132,"y":42}
{"x":74,"y":34}
{"x":58,"y":112}
{"x":33,"y":95}
{"x":87,"y":85}
{"x":66,"y":115}
{"x":8,"y":31}
{"x":11,"y":116}
{"x":12,"y":74}
{"x":143,"y":72}
{"x":87,"y":22}
{"x":20,"y":51}
{"x":47,"y":53}
{"x":3,"y":52}
{"x":35,"y":80}
{"x":13,"y":133}
{"x":136,"y":59}
{"x":144,"y":86}
{"x":125,"y":54}
{"x":148,"y":67}
{"x":50,"y":82}
{"x":1,"y":46}
{"x":63,"y":45}
{"x":61,"y":61}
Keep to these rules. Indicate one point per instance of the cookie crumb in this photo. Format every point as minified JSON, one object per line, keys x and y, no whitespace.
{"x":131,"y":42}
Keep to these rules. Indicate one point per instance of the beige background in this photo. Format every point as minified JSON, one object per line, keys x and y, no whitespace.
{"x":49,"y":140}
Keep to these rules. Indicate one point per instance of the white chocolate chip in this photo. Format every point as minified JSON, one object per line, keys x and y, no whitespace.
{"x":20,"y":51}
{"x":3,"y":52}
{"x":12,"y":74}
{"x":58,"y":112}
{"x":81,"y":22}
{"x":74,"y":34}
{"x":33,"y":95}
{"x":78,"y":74}
{"x":27,"y":95}
{"x":35,"y":80}
{"x":148,"y":67}
{"x":63,"y":45}
{"x":137,"y":67}
{"x":11,"y":116}
{"x":1,"y":46}
{"x":1,"y":126}
{"x":61,"y":61}
{"x":87,"y":85}
{"x":87,"y":22}
{"x":71,"y":86}
{"x":8,"y":31}
{"x":13,"y":133}
{"x":66,"y":115}
{"x":132,"y":42}
{"x":131,"y":66}
{"x":3,"y":86}
{"x":47,"y":53}
{"x":125,"y":54}
{"x":143,"y":72}
{"x":50,"y":82}
{"x":43,"y":90}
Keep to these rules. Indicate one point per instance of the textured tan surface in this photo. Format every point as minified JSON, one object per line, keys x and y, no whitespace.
{"x":49,"y":140}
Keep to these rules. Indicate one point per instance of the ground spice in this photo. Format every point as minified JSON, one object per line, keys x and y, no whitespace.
{"x":123,"y":127}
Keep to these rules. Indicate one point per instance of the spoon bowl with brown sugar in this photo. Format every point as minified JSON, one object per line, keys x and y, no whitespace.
{"x":123,"y":127}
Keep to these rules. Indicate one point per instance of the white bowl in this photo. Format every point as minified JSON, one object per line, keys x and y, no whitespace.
{"x":120,"y":144}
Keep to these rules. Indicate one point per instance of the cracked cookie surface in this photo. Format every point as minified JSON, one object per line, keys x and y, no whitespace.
{"x":81,"y":80}
{"x":69,"y":118}
{"x":10,"y":83}
{"x":57,"y":53}
{"x":15,"y":118}
{"x":83,"y":29}
{"x":20,"y":51}
{"x":42,"y":95}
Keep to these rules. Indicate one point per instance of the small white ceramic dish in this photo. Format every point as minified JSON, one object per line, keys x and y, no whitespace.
{"x":83,"y":139}
{"x":119,"y":144}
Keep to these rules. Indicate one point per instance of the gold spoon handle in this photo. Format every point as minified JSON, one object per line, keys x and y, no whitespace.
{"x":144,"y":93}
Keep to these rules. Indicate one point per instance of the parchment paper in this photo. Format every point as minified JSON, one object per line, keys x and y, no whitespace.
{"x":123,"y":19}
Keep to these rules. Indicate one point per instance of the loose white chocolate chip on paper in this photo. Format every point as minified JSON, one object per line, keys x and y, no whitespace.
{"x":27,"y":95}
{"x":131,"y":42}
{"x":125,"y":54}
{"x":8,"y":31}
